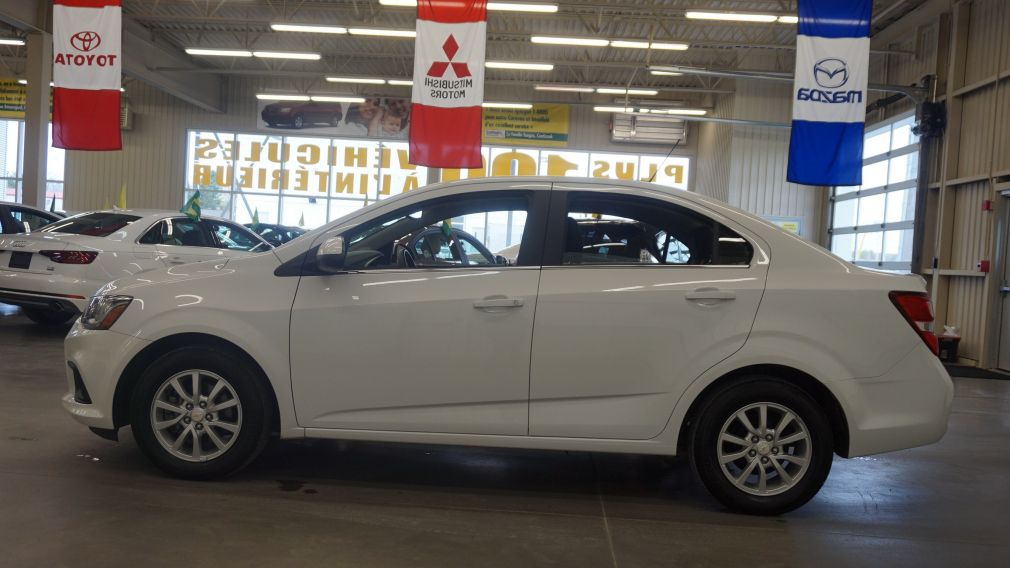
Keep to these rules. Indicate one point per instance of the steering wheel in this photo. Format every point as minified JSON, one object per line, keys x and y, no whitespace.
{"x":404,"y":258}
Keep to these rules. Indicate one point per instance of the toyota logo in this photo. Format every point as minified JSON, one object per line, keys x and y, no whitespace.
{"x":831,"y":73}
{"x":85,"y":41}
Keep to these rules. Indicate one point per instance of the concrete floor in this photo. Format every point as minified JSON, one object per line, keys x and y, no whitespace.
{"x":68,"y":498}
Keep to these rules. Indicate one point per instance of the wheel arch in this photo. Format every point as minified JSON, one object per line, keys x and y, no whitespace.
{"x":809,"y":384}
{"x":131,"y":373}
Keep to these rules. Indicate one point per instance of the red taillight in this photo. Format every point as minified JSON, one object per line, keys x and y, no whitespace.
{"x":918,"y":311}
{"x":70,"y":256}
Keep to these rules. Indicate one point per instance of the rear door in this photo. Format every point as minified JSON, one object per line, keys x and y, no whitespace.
{"x":644,"y":294}
{"x":176,"y":241}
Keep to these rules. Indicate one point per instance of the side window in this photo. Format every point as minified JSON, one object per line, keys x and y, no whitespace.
{"x":28,"y":220}
{"x":232,"y":237}
{"x":417,"y":235}
{"x":178,"y":232}
{"x":609,"y":229}
{"x":472,"y":252}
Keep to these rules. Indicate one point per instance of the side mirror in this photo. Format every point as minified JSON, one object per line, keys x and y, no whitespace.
{"x":331,"y":254}
{"x":499,"y":259}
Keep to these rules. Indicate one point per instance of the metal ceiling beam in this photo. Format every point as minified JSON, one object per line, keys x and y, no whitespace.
{"x":918,"y":94}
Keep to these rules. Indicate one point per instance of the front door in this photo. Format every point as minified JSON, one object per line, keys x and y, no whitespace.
{"x":642,"y":298}
{"x":422,"y":343}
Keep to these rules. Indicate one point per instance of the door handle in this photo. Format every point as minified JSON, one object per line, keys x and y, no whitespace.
{"x":710,"y":294}
{"x":490,"y":303}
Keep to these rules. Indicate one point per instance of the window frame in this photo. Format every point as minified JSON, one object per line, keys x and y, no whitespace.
{"x":530,"y":254}
{"x":886,"y":189}
{"x":556,"y":237}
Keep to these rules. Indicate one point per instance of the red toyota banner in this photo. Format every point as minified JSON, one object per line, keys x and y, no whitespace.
{"x":448,"y":90}
{"x":87,"y":74}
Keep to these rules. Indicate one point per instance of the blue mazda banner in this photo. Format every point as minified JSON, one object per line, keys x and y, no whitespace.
{"x":829,"y":92}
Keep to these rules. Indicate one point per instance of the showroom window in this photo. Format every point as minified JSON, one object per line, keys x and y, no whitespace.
{"x":872,"y":224}
{"x":309,"y":181}
{"x":12,"y":136}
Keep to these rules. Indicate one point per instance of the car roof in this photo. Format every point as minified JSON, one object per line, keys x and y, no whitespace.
{"x":149,"y":214}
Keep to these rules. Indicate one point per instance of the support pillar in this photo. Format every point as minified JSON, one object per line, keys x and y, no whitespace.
{"x":39,"y":74}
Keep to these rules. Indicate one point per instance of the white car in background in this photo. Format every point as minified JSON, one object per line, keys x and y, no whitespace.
{"x":51,"y":273}
{"x":665,"y":322}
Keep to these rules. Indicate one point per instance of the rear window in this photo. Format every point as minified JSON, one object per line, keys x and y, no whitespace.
{"x":92,"y":224}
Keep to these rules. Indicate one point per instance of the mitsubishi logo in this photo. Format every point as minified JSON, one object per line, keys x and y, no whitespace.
{"x":85,"y":41}
{"x":831,"y":73}
{"x":438,"y":68}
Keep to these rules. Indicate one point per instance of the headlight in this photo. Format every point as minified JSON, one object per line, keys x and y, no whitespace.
{"x":103,"y":311}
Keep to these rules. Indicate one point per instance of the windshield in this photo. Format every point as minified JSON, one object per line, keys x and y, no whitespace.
{"x":91,"y":224}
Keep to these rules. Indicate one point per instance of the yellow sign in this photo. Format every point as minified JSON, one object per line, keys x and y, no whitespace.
{"x":542,"y":125}
{"x":13,"y":98}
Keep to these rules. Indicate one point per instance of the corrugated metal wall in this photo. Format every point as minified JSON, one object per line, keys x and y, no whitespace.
{"x":715,"y":144}
{"x":972,"y":225}
{"x":965,"y":312}
{"x":978,"y":124}
{"x":757,"y":180}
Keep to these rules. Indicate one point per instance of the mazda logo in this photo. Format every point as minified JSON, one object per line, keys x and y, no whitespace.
{"x":85,"y":41}
{"x":831,"y":73}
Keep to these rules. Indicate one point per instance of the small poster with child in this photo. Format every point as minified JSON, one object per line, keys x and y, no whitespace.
{"x":382,"y":118}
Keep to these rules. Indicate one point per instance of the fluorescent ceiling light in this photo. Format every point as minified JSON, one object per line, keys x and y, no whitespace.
{"x":280,"y":97}
{"x":638,"y":44}
{"x":11,"y":41}
{"x":219,"y":52}
{"x":382,"y":32}
{"x":361,"y":80}
{"x":286,"y":55}
{"x":731,"y":16}
{"x":788,"y":19}
{"x":613,"y":109}
{"x":308,"y":28}
{"x":493,"y":6}
{"x":665,"y":73}
{"x":401,"y":82}
{"x":521,"y":7}
{"x":612,"y":91}
{"x":564,"y":89}
{"x":23,"y":81}
{"x":332,"y":99}
{"x":586,"y":41}
{"x":682,"y":111}
{"x":519,"y":65}
{"x":523,"y":106}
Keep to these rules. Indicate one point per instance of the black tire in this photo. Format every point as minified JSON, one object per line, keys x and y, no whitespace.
{"x":706,"y":444}
{"x":248,"y":384}
{"x":299,"y":121}
{"x":43,"y":316}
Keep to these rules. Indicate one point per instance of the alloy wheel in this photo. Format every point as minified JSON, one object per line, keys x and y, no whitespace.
{"x":764,"y":449}
{"x":196,"y":415}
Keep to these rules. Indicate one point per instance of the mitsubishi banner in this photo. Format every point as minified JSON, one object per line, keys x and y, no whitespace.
{"x":829,"y":92}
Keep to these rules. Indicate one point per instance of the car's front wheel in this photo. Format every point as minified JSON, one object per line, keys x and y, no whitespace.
{"x":45,"y":316}
{"x":762,"y":446}
{"x":200,"y":413}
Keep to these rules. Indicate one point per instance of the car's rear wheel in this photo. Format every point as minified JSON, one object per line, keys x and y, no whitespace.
{"x":44,"y":316}
{"x":762,"y":446}
{"x":200,"y":413}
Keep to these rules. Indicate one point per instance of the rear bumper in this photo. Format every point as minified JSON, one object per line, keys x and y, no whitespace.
{"x":55,"y":302}
{"x":906,"y":407}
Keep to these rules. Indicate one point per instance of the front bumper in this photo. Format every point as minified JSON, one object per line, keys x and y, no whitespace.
{"x":906,"y":407}
{"x":100,"y":358}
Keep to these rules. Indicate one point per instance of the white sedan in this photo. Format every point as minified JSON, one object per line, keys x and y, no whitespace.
{"x":51,"y":273}
{"x":635,"y":319}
